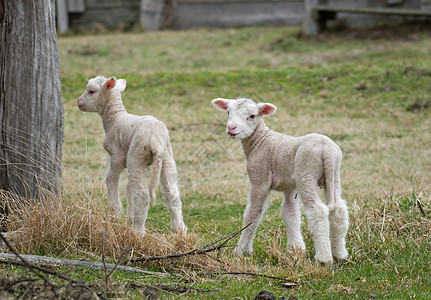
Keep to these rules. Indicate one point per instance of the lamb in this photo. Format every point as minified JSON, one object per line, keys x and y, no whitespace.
{"x":134,"y":142}
{"x":296,"y":166}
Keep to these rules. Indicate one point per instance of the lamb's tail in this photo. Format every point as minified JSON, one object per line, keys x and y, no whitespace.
{"x":157,"y":169}
{"x":332,"y":161}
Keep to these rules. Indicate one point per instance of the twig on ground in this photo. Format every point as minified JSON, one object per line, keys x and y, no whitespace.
{"x":105,"y":269}
{"x":216,"y":245}
{"x":420,"y":208}
{"x":117,"y":264}
{"x":215,"y":258}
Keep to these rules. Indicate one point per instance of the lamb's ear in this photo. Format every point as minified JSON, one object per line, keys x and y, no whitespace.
{"x":266,"y":109}
{"x":121,"y":84}
{"x":110,"y":83}
{"x":221,"y":103}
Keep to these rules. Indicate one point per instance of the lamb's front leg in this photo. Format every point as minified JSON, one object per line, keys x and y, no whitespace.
{"x":112,"y":182}
{"x":253,"y":214}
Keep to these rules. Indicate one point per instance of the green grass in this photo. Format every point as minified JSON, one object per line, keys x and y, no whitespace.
{"x":358,"y":92}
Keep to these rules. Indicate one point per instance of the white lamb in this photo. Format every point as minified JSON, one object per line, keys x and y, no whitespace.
{"x":134,"y":142}
{"x":294,"y":166}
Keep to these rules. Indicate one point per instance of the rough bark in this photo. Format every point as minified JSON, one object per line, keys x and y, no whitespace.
{"x":31,"y":109}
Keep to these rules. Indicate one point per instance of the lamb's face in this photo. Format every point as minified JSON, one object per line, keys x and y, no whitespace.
{"x":93,"y":97}
{"x":243,"y":118}
{"x":244,"y":115}
{"x":89,"y":100}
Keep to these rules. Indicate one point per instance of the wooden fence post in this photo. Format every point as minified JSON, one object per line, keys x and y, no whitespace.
{"x":62,"y":16}
{"x":152,"y":14}
{"x":310,"y":25}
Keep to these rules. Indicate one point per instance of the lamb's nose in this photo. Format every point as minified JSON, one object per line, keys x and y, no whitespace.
{"x":79,"y":103}
{"x":231,"y":127}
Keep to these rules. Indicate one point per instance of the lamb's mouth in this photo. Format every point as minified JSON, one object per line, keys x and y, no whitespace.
{"x":232,"y":135}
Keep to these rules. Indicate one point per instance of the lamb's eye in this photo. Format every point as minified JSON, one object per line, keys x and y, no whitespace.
{"x":228,"y":112}
{"x":252,"y":116}
{"x":91,"y":92}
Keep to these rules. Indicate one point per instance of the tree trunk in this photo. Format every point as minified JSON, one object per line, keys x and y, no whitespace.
{"x":31,"y":109}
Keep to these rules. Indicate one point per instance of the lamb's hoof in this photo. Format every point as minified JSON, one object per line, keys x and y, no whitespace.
{"x":115,"y":213}
{"x":340,"y":259}
{"x":297,"y":251}
{"x":340,"y":255}
{"x":181,"y":229}
{"x":140,"y":231}
{"x":326,"y":263}
{"x":296,"y":247}
{"x":325,"y":260}
{"x":239,"y":251}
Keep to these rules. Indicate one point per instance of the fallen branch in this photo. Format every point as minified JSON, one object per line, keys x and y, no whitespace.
{"x":216,"y":245}
{"x":58,"y":262}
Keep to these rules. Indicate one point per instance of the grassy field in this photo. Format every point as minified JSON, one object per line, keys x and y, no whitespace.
{"x":369,"y":91}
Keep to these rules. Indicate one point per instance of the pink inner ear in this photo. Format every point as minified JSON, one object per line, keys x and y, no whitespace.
{"x":110,"y":84}
{"x":222,"y":104}
{"x":266,"y":110}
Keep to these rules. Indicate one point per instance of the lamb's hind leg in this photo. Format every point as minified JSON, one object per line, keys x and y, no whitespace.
{"x":138,"y":198}
{"x":169,"y":182}
{"x":291,"y":215}
{"x":339,"y":220}
{"x":318,"y":219}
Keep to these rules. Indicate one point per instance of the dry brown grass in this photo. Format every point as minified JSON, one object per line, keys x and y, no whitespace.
{"x":79,"y":225}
